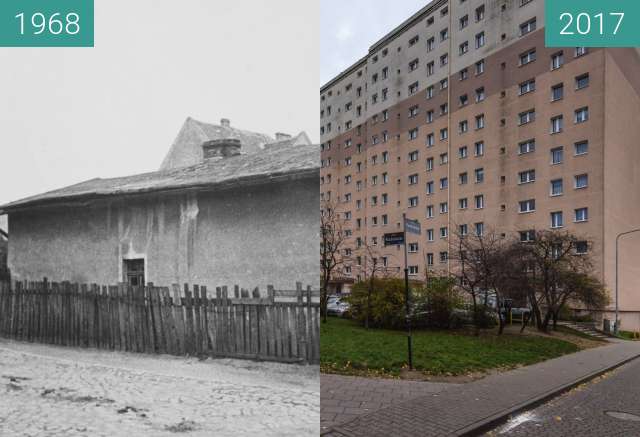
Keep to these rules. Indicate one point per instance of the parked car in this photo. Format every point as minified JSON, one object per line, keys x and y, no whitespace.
{"x":337,"y":306}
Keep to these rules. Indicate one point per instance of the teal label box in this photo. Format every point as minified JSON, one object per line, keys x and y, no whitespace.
{"x":592,"y":23}
{"x":46,"y":23}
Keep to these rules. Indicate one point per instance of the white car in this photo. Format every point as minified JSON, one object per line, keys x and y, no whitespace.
{"x":337,"y":306}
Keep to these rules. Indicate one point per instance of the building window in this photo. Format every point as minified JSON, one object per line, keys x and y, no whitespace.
{"x":479,"y":199}
{"x":429,"y":164}
{"x":414,"y":40}
{"x":444,"y":183}
{"x":444,"y":208}
{"x":133,"y":271}
{"x":557,"y":155}
{"x":444,"y":60}
{"x":444,"y":232}
{"x":444,"y":158}
{"x":556,"y":219}
{"x":463,"y":230}
{"x":430,"y":92}
{"x":413,"y":247}
{"x":528,"y":27}
{"x":413,"y":202}
{"x":556,"y":124}
{"x":413,"y":179}
{"x":557,"y":60}
{"x":464,"y":74}
{"x":581,"y":181}
{"x":463,"y":203}
{"x":526,"y":117}
{"x":463,"y":178}
{"x":463,"y":48}
{"x":431,"y":44}
{"x":582,"y":247}
{"x":429,"y":211}
{"x":462,"y":152}
{"x":431,"y":139}
{"x":527,"y":205}
{"x":480,"y":40}
{"x":581,"y":148}
{"x":479,"y":172}
{"x":413,"y":88}
{"x":430,"y":236}
{"x":527,"y":236}
{"x":413,"y":134}
{"x":528,"y":57}
{"x":430,"y":259}
{"x":444,"y":34}
{"x":525,"y":177}
{"x":430,"y":187}
{"x":413,"y":156}
{"x":526,"y":146}
{"x":479,"y":229}
{"x":480,"y":94}
{"x":413,"y":111}
{"x":556,"y":187}
{"x":463,"y":126}
{"x":464,"y":21}
{"x":479,"y":148}
{"x":581,"y":214}
{"x":527,"y":86}
{"x":479,"y":13}
{"x":444,"y":134}
{"x":479,"y":121}
{"x":413,"y":270}
{"x":582,"y":81}
{"x":557,"y":92}
{"x":444,"y":257}
{"x":581,"y":51}
{"x":479,"y":67}
{"x":413,"y":65}
{"x":581,"y":115}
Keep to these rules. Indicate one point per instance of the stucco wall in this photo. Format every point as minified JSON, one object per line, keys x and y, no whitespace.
{"x":250,"y":237}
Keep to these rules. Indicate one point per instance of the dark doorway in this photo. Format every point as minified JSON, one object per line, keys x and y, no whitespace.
{"x":134,"y":272}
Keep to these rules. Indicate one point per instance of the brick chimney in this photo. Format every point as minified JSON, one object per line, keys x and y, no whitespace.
{"x":225,"y":122}
{"x":282,"y":136}
{"x":219,"y":149}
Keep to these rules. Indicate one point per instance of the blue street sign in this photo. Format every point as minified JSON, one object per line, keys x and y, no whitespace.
{"x":412,"y":226}
{"x":393,"y":238}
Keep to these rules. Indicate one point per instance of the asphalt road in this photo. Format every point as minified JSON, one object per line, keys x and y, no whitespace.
{"x":604,"y":407}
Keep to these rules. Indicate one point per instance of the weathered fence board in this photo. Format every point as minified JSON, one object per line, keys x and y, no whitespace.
{"x":187,"y":321}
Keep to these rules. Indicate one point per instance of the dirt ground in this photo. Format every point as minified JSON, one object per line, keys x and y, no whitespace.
{"x":56,"y":391}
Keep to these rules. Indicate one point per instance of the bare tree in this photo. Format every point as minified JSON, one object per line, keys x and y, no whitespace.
{"x":333,"y":250}
{"x":555,"y":274}
{"x":484,"y":270}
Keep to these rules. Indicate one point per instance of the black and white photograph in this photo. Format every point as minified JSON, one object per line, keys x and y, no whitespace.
{"x":159,"y":224}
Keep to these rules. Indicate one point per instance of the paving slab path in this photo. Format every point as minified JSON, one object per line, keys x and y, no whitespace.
{"x":467,"y":409}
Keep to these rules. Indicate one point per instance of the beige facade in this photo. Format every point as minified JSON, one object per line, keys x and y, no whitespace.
{"x":462,"y":102}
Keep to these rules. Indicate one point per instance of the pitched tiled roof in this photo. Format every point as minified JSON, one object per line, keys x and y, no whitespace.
{"x":186,"y":149}
{"x":275,"y":163}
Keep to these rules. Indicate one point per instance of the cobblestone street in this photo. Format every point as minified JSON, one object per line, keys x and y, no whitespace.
{"x":583,"y":410}
{"x":47,"y":391}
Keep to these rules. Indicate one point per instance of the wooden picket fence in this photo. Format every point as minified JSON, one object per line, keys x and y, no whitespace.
{"x":281,"y":326}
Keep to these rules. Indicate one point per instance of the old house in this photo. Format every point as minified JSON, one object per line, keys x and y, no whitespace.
{"x":226,"y":207}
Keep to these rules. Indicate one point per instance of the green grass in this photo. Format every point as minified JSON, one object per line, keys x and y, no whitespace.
{"x":348,"y":348}
{"x":627,"y":335}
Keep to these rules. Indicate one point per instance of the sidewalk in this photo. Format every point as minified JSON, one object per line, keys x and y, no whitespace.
{"x":469,"y":408}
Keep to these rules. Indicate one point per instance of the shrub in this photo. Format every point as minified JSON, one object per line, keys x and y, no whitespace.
{"x":387,"y":303}
{"x":433,"y":305}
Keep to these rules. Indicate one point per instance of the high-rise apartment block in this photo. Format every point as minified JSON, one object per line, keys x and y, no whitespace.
{"x":462,"y":119}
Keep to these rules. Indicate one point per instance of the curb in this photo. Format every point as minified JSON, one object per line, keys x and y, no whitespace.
{"x":491,"y":422}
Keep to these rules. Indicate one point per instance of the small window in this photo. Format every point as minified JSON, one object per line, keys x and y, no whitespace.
{"x":134,"y":272}
{"x":581,"y":148}
{"x":556,"y":124}
{"x":556,"y":187}
{"x":527,"y":116}
{"x":557,"y":92}
{"x":582,"y":247}
{"x":582,"y":181}
{"x":581,"y":215}
{"x":528,"y":27}
{"x":463,"y":203}
{"x":527,"y":236}
{"x":414,"y":40}
{"x":526,"y":146}
{"x":528,"y":57}
{"x":556,"y":219}
{"x":527,"y":86}
{"x":582,"y":81}
{"x":557,"y":60}
{"x":527,"y":205}
{"x":557,"y":155}
{"x":581,"y":115}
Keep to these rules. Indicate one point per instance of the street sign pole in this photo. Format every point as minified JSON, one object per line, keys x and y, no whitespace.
{"x":406,"y":294}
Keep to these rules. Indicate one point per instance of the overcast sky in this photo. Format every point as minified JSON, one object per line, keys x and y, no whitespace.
{"x":68,"y":115}
{"x":349,"y":27}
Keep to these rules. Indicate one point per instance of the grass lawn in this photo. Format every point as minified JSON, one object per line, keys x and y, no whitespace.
{"x":347,"y":348}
